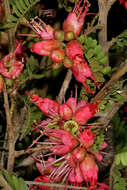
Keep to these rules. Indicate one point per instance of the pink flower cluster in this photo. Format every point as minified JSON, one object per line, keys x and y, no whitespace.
{"x":70,"y":52}
{"x":76,"y":161}
{"x":75,"y":164}
{"x":10,"y":66}
{"x":80,"y":112}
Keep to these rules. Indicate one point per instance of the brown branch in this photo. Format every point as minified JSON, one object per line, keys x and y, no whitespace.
{"x":110,"y":43}
{"x":10,"y":129}
{"x":102,"y":35}
{"x":105,"y":90}
{"x":3,"y":153}
{"x":4,"y":184}
{"x":29,"y":151}
{"x":111,"y":174}
{"x":11,"y":39}
{"x":64,"y":86}
{"x":110,"y":3}
{"x":91,"y":29}
{"x":54,"y":185}
{"x":11,"y":32}
{"x":105,"y":118}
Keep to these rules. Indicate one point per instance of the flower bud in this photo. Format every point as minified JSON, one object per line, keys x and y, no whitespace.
{"x":45,"y":47}
{"x":57,"y":55}
{"x":59,"y":35}
{"x":69,"y":36}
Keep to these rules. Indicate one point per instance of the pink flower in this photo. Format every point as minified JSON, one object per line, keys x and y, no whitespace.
{"x":89,"y":171}
{"x":79,"y":68}
{"x":82,"y":72}
{"x":87,"y":138}
{"x":47,"y":106}
{"x":74,"y":49}
{"x":83,"y":114}
{"x":65,"y":141}
{"x":79,"y":112}
{"x":78,"y":174}
{"x":15,"y":66}
{"x":76,"y":18}
{"x":75,"y":175}
{"x":47,"y":167}
{"x":43,"y":30}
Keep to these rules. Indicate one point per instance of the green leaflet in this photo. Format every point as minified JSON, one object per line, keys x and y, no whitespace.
{"x":33,"y":114}
{"x":119,"y":182}
{"x":95,"y":57}
{"x":98,"y":143}
{"x":99,"y":76}
{"x":20,"y":7}
{"x":121,"y":158}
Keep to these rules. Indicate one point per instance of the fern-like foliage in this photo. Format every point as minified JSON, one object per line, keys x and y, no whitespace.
{"x":95,"y":56}
{"x":120,"y":46}
{"x":20,"y":8}
{"x":32,"y":115}
{"x":119,"y":183}
{"x":120,"y":132}
{"x":31,"y":71}
{"x":99,"y":140}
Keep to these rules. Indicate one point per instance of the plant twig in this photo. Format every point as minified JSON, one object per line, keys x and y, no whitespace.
{"x":105,"y":90}
{"x":54,"y":185}
{"x":29,"y":151}
{"x":5,"y":146}
{"x":11,"y":155}
{"x":4,"y":184}
{"x":11,"y":33}
{"x":111,"y":174}
{"x":64,"y":86}
{"x":11,"y":38}
{"x":89,"y":30}
{"x":102,"y":35}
